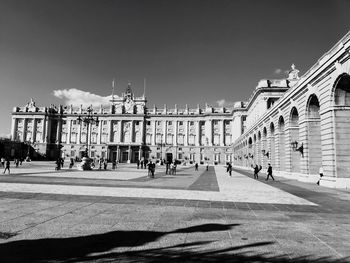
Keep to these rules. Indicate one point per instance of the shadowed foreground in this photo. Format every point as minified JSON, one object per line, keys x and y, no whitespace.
{"x":98,"y":248}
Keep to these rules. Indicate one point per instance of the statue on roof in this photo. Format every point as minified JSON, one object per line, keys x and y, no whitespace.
{"x":31,"y":103}
{"x":294,"y":73}
{"x":128,"y":89}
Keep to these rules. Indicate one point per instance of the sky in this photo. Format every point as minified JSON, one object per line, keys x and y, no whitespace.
{"x":189,"y":51}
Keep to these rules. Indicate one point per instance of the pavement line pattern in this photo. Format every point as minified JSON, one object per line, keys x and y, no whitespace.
{"x":237,"y":188}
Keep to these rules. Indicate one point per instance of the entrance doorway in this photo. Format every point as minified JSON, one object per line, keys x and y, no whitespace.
{"x":125,"y":157}
{"x":135,"y":156}
{"x":169,"y":157}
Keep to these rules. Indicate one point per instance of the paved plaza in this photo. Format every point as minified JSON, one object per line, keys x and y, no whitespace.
{"x":193,"y":216}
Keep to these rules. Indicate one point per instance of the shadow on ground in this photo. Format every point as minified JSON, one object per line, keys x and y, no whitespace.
{"x":98,"y":248}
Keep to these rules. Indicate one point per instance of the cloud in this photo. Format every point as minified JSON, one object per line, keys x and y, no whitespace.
{"x":224,"y":103}
{"x":278,"y":71}
{"x":80,"y":97}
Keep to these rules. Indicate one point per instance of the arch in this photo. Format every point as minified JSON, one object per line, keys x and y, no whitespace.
{"x":254,"y":138}
{"x":281,"y":156}
{"x":341,"y":101}
{"x":294,"y":137}
{"x":294,"y":117}
{"x":314,"y":151}
{"x":272,"y":144}
{"x":259,"y":135}
{"x":342,"y":90}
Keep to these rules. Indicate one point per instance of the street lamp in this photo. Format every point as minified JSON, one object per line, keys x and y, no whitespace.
{"x":88,"y":119}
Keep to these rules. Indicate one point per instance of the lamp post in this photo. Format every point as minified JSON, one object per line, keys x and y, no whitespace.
{"x":88,"y":120}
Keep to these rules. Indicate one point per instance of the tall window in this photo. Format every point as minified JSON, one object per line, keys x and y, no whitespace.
{"x":192,"y":139}
{"x":148,"y":138}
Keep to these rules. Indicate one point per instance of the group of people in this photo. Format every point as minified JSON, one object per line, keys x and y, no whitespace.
{"x":257,"y":169}
{"x":170,"y":167}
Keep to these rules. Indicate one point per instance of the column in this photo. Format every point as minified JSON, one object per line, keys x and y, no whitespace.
{"x":165,"y":132}
{"x":46,"y":130}
{"x":99,"y":134}
{"x":129,"y":154}
{"x":198,"y":133}
{"x":132,"y":129}
{"x":140,"y":152}
{"x":79,"y":133}
{"x":175,"y":134}
{"x":24,"y":130}
{"x":142,"y":130}
{"x":118,"y":154}
{"x":13,"y":129}
{"x":34,"y":130}
{"x":69,"y":130}
{"x":186,"y":133}
{"x":154,"y":132}
{"x":222,"y":133}
{"x":120,"y":131}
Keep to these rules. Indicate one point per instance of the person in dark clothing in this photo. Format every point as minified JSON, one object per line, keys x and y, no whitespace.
{"x":269,"y":172}
{"x":257,"y":169}
{"x":167,"y":167}
{"x":7,"y":166}
{"x":230,"y":169}
{"x":138,"y":164}
{"x":196,"y":167}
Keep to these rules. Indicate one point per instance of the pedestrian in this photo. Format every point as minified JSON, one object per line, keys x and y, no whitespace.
{"x":321,"y":175}
{"x":196,"y":167}
{"x":62,"y":162}
{"x":2,"y":162}
{"x":153,"y":169}
{"x":105,"y":163}
{"x":138,"y":164}
{"x":100,"y":162}
{"x":20,"y":161}
{"x":71,"y":164}
{"x":7,"y":166}
{"x":257,"y":169}
{"x":167,"y":167}
{"x":141,"y":163}
{"x":145,"y":164}
{"x":16,"y":162}
{"x":58,"y":164}
{"x":149,"y":169}
{"x":230,"y":169}
{"x":207,"y":165}
{"x":269,"y":172}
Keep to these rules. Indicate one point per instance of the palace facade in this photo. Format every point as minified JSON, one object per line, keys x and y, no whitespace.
{"x":127,"y":131}
{"x":298,"y":124}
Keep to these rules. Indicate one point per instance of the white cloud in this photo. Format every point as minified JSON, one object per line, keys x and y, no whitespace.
{"x":224,"y":103}
{"x":80,"y":97}
{"x":278,"y":71}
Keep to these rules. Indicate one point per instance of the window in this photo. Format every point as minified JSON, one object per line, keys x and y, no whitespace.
{"x":181,"y":123}
{"x":74,"y":122}
{"x":180,"y":149}
{"x":148,"y":123}
{"x":180,"y":156}
{"x":170,"y":123}
{"x":191,"y":123}
{"x":137,"y":123}
{"x":64,"y":122}
{"x":38,"y":121}
{"x":104,"y":122}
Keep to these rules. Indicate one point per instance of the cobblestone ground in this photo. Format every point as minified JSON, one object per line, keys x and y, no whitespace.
{"x":193,"y":216}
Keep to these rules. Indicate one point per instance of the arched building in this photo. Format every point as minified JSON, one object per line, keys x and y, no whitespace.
{"x":300,"y":124}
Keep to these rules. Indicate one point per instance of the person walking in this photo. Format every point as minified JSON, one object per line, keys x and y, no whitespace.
{"x":7,"y":166}
{"x":321,"y":175}
{"x":256,"y":171}
{"x":230,"y":169}
{"x":2,"y":162}
{"x":269,"y":172}
{"x":138,"y":164}
{"x":167,"y":167}
{"x":196,"y":167}
{"x":207,"y":165}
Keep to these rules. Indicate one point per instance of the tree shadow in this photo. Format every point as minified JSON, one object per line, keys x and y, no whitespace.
{"x":99,"y":248}
{"x":63,"y":249}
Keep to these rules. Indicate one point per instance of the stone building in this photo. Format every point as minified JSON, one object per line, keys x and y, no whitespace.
{"x":300,"y":124}
{"x":127,"y":131}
